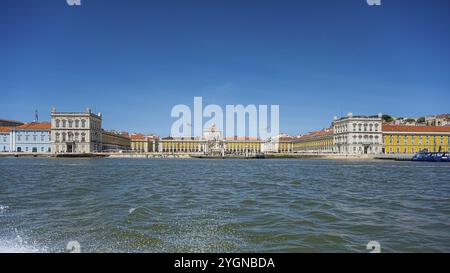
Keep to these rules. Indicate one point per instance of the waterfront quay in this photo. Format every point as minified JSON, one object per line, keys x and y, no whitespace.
{"x":397,"y":157}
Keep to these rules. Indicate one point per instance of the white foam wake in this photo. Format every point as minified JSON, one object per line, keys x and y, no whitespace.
{"x":16,"y":244}
{"x":13,"y":247}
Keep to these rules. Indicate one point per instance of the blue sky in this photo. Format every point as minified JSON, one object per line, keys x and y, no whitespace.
{"x":133,"y":60}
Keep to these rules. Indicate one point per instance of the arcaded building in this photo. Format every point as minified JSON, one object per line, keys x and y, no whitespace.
{"x":115,"y":142}
{"x":314,"y":142}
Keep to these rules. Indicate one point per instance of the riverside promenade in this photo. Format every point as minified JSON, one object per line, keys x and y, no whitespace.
{"x":398,"y":157}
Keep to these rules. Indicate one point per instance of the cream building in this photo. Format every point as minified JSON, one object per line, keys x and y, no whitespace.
{"x":438,"y":120}
{"x":358,"y":134}
{"x":143,"y":144}
{"x":76,"y":132}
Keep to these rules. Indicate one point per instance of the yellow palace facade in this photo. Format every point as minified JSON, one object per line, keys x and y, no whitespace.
{"x":212,"y":141}
{"x":394,"y":139}
{"x":182,"y":145}
{"x":242,"y":145}
{"x":315,"y":142}
{"x":236,"y":145}
{"x":400,"y":139}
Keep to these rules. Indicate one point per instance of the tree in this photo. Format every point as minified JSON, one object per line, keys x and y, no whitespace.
{"x":421,"y":120}
{"x":387,"y":118}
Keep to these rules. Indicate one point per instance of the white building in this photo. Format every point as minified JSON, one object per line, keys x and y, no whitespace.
{"x":76,"y":132}
{"x":5,"y":139}
{"x":212,"y":133}
{"x":358,"y":134}
{"x":438,"y":120}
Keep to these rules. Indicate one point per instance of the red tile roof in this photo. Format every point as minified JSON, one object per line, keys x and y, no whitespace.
{"x":137,"y":136}
{"x":34,"y":126}
{"x":425,"y":129}
{"x":5,"y":129}
{"x":316,"y":134}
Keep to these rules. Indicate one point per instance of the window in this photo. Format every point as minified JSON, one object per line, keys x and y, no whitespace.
{"x":26,"y":149}
{"x":57,"y":137}
{"x":77,"y":123}
{"x":57,"y":123}
{"x":83,"y":137}
{"x":4,"y":139}
{"x":83,"y":123}
{"x":34,"y":138}
{"x":64,"y":123}
{"x":26,"y":138}
{"x":70,"y":123}
{"x":42,"y":137}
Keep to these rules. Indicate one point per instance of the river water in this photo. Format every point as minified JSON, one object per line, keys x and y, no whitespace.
{"x":232,"y":205}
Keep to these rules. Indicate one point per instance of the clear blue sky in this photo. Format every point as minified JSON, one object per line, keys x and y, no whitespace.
{"x":133,"y":60}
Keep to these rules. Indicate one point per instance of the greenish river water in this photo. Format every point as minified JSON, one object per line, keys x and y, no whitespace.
{"x":235,"y":205}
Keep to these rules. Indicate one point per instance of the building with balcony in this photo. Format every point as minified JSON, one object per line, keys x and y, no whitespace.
{"x":358,"y":135}
{"x":76,"y":132}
